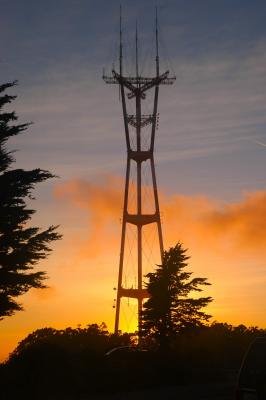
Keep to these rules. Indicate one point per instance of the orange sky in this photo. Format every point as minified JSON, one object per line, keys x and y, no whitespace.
{"x":226,"y":242}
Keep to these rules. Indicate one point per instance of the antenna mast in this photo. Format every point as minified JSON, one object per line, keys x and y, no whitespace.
{"x":120,"y":43}
{"x":137,"y":51}
{"x":157,"y":42}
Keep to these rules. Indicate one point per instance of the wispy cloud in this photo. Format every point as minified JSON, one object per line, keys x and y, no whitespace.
{"x":216,"y":102}
{"x":260,"y":143}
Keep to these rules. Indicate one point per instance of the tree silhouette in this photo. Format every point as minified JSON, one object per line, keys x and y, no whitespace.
{"x":21,"y":246}
{"x":169,"y":309}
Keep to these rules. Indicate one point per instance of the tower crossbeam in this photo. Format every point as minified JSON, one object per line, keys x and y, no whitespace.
{"x":134,"y":293}
{"x":140,"y":80}
{"x":138,"y":85}
{"x":144,"y":120}
{"x":143,"y":219}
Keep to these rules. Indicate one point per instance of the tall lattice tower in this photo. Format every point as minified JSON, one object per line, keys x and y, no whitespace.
{"x":135,"y":89}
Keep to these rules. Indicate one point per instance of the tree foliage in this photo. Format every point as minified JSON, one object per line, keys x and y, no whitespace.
{"x":170,"y":309}
{"x":21,"y":246}
{"x":64,"y":364}
{"x":75,"y":363}
{"x":94,"y":338}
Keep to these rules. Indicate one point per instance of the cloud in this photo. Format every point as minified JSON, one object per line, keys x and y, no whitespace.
{"x":260,"y":143}
{"x":102,"y":198}
{"x":218,"y":227}
{"x":243,"y":223}
{"x":237,"y":226}
{"x":102,"y":203}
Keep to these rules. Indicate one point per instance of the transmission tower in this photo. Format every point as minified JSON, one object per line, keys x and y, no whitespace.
{"x":135,"y":89}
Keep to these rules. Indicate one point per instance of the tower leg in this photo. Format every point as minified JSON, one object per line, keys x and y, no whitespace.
{"x":139,"y":210}
{"x":122,"y":249}
{"x":139,"y":278}
{"x":157,"y":209}
{"x":117,"y":314}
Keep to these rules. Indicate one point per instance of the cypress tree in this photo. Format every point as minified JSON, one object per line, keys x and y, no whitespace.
{"x":21,"y":246}
{"x":170,"y":309}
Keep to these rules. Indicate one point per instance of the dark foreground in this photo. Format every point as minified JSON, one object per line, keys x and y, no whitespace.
{"x":76,"y":364}
{"x":214,"y":391}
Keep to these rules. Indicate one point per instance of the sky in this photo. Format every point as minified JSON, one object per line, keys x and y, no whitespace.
{"x":210,"y":148}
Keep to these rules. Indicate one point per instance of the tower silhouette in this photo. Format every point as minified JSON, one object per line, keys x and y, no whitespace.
{"x":135,"y":89}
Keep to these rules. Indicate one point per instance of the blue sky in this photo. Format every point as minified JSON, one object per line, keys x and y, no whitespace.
{"x":208,"y":120}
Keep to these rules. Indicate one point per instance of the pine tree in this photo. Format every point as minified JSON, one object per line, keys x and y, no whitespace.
{"x":169,"y":309}
{"x":21,"y":246}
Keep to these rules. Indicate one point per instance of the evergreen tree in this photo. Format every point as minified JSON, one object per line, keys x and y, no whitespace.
{"x":169,"y":309}
{"x":21,"y":246}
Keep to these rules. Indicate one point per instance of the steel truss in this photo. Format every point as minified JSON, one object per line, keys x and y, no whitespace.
{"x":135,"y":87}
